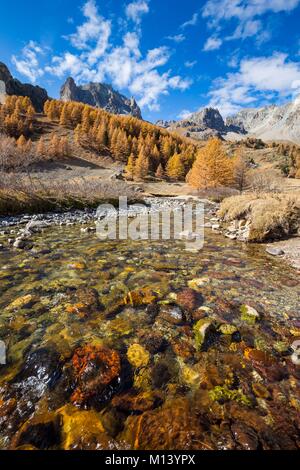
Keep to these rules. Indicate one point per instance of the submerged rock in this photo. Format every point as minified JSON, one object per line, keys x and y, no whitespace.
{"x":138,"y":356}
{"x":189,"y":299}
{"x":266,"y":364}
{"x":140,"y":297}
{"x":41,"y":370}
{"x":26,"y":301}
{"x":42,"y":432}
{"x":137,"y":402}
{"x":274,"y":251}
{"x":172,"y":427}
{"x":153,"y":342}
{"x":83,"y":430}
{"x":205,"y":333}
{"x":172,"y":314}
{"x":245,"y":436}
{"x":249,"y":314}
{"x":160,"y":374}
{"x":97,"y":372}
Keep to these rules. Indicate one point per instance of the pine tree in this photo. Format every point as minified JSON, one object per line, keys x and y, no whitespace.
{"x":76,"y":114}
{"x":52,"y":111}
{"x":241,"y":171}
{"x":167,"y":148}
{"x":64,"y":117}
{"x":63,"y":147}
{"x":78,"y":134}
{"x":41,"y":147}
{"x":212,"y":167}
{"x":54,"y":146}
{"x":46,"y":107}
{"x":21,"y":142}
{"x":121,"y":147}
{"x":142,"y":165}
{"x":30,"y":112}
{"x":175,"y":168}
{"x":130,"y":168}
{"x":86,"y":122}
{"x":160,"y":173}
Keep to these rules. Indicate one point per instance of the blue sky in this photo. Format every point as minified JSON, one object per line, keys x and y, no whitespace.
{"x":175,"y":57}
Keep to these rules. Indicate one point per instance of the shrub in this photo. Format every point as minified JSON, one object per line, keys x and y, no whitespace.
{"x":272,"y":216}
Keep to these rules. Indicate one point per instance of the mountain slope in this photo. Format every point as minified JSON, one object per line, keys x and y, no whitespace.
{"x":11,"y":86}
{"x":202,"y":125}
{"x":100,"y":95}
{"x":271,"y":122}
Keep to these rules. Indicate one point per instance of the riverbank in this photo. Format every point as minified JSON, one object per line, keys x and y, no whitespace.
{"x":18,"y":231}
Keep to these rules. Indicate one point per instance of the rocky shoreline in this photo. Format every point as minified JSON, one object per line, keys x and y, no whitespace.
{"x":288,"y":250}
{"x":21,"y":236}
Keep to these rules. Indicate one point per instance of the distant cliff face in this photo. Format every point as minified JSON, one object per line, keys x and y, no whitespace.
{"x":11,"y":86}
{"x":271,"y":122}
{"x":202,"y":125}
{"x":100,"y":95}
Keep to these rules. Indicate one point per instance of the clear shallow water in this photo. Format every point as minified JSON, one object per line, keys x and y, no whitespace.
{"x":92,"y":366}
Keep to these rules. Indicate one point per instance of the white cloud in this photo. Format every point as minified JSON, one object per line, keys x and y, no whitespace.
{"x":258,"y":79}
{"x":67,"y":64}
{"x":192,"y":22}
{"x":184,"y":114}
{"x":28,"y":63}
{"x":135,"y":10}
{"x":178,"y":83}
{"x":212,"y":44}
{"x":178,"y":38}
{"x":190,"y":64}
{"x":122,"y":65}
{"x":245,"y":13}
{"x":246,"y":29}
{"x":218,"y":10}
{"x":93,"y":35}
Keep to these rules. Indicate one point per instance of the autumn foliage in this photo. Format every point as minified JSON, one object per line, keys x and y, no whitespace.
{"x":144,"y":148}
{"x":212,"y":168}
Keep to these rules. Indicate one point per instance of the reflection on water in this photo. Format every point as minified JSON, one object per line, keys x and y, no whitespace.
{"x":137,"y":345}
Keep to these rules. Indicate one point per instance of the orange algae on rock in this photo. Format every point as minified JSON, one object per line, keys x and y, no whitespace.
{"x":95,"y":368}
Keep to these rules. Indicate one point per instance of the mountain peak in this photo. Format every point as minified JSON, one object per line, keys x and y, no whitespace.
{"x":100,"y":95}
{"x":11,"y":86}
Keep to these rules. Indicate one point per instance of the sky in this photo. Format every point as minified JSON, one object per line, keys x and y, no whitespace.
{"x":174,"y":57}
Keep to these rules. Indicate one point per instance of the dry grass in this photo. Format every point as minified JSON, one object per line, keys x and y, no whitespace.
{"x":20,"y":194}
{"x":217,"y":194}
{"x":272,"y":216}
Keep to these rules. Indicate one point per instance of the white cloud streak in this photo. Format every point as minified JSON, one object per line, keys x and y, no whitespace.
{"x":135,"y":10}
{"x":245,"y":14}
{"x":178,"y":38}
{"x":192,"y":22}
{"x":257,"y":79}
{"x":28,"y":63}
{"x":212,"y":44}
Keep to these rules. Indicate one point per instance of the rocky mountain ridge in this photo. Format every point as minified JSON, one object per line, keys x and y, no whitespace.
{"x":101,"y":96}
{"x":202,"y":125}
{"x":268,"y":123}
{"x":271,"y":122}
{"x":12,"y":86}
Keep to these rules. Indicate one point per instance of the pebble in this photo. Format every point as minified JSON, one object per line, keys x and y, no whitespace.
{"x":231,"y":236}
{"x":274,"y":251}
